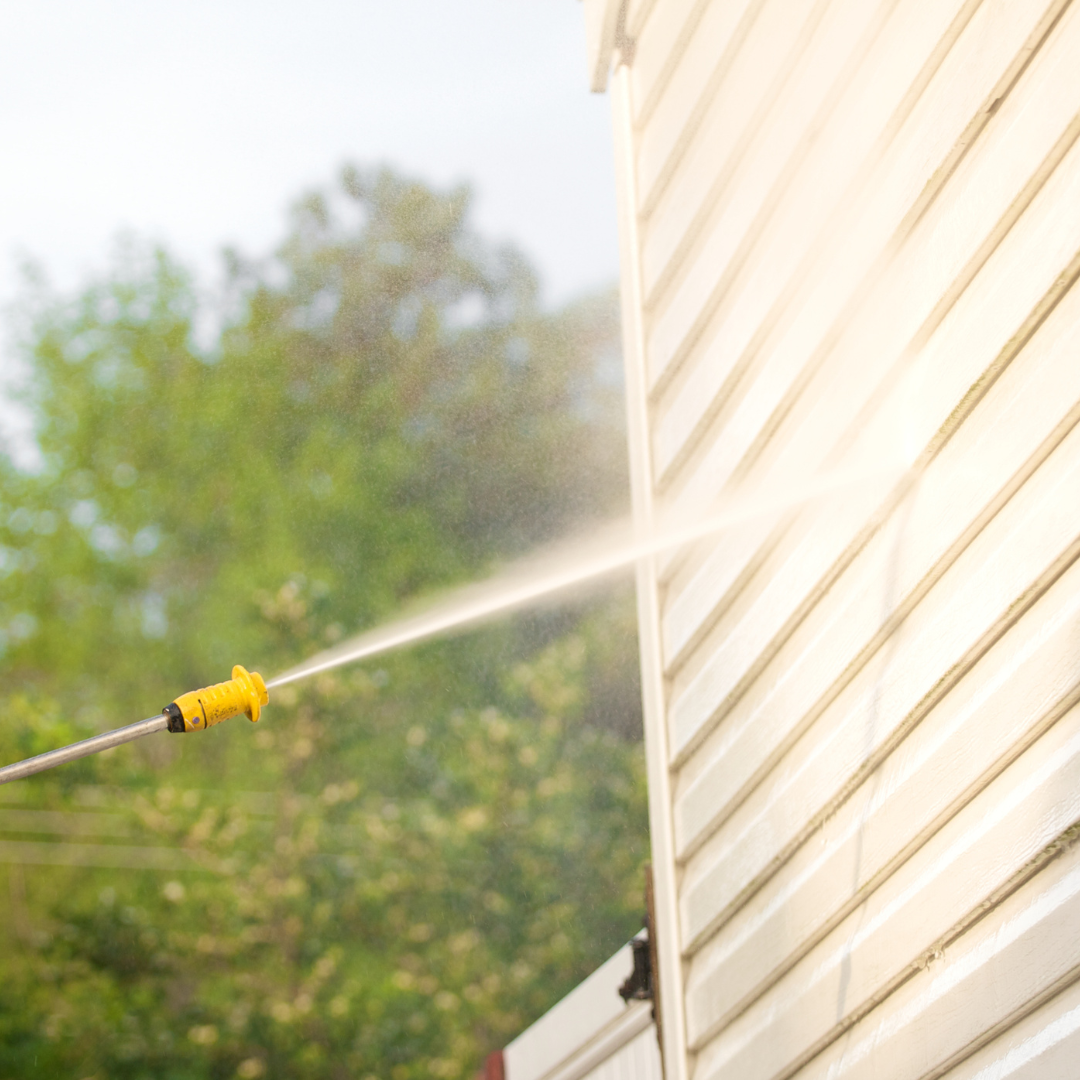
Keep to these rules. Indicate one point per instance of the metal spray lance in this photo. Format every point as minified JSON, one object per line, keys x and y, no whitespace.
{"x":244,"y":694}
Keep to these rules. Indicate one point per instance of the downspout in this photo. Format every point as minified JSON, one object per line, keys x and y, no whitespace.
{"x":661,"y":826}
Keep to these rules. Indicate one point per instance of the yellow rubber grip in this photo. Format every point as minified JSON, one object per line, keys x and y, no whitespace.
{"x":244,"y":693}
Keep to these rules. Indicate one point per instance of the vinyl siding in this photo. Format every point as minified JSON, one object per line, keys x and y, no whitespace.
{"x":591,"y":1034}
{"x":851,"y":233}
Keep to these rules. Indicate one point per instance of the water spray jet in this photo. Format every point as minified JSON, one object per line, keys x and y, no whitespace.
{"x":611,"y":550}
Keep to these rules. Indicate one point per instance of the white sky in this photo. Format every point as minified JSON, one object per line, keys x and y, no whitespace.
{"x":196,"y":122}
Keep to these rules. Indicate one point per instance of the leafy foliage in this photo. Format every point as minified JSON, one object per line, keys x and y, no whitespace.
{"x":400,"y":867}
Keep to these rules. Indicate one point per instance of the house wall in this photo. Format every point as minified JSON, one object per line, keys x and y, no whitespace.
{"x":850,"y":234}
{"x":592,"y":1034}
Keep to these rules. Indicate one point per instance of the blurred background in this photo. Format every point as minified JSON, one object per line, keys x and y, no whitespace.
{"x":196,"y":124}
{"x":309,"y":311}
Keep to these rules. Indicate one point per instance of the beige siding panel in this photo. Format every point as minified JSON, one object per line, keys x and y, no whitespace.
{"x":1009,"y":698}
{"x":637,"y":12}
{"x":570,"y":1027}
{"x":733,"y":35}
{"x":727,"y":152}
{"x":851,"y":234}
{"x":798,"y":573}
{"x":956,"y":233}
{"x":1003,"y":964}
{"x":659,"y":43}
{"x":703,"y":590}
{"x":937,"y":893}
{"x":590,"y":1035}
{"x":718,"y":254}
{"x":981,"y":594}
{"x":1031,"y":399}
{"x":734,"y":652}
{"x":884,"y":331}
{"x":734,"y":147}
{"x":1042,"y":1046}
{"x":843,"y":247}
{"x":639,"y":1059}
{"x":1022,"y":952}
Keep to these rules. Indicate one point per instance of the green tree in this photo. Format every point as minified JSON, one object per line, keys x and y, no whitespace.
{"x":402,"y":866}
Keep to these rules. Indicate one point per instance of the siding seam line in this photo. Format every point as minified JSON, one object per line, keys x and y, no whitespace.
{"x":693,"y":121}
{"x":1058,"y":847}
{"x":931,"y":190}
{"x":964,"y":408}
{"x":891,"y":130}
{"x":671,"y":60}
{"x":967,"y":405}
{"x":1012,"y":614}
{"x":677,"y":265}
{"x":1056,"y":712}
{"x":925,"y":332}
{"x":1044,"y":997}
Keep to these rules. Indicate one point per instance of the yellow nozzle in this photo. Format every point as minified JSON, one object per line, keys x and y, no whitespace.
{"x":244,"y":693}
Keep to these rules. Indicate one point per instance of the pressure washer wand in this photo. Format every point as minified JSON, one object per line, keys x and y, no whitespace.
{"x":105,"y":741}
{"x":245,"y":693}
